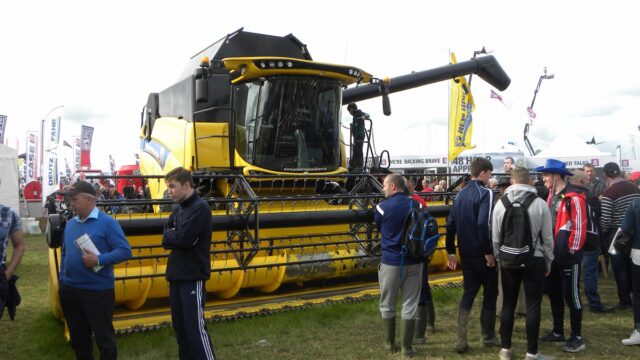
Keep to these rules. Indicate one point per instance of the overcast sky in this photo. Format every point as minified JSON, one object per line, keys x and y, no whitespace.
{"x":102,"y":59}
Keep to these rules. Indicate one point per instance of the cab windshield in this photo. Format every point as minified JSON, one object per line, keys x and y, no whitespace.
{"x":289,"y":124}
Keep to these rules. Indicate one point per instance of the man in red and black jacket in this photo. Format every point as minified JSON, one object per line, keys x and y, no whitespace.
{"x":569,"y":216}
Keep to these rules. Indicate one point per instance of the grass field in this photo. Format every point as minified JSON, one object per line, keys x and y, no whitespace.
{"x":337,"y":331}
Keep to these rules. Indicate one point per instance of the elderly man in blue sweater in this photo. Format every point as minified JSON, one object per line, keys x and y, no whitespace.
{"x":86,"y":276}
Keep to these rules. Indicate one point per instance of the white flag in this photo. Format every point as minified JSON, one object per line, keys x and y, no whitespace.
{"x":51,"y":148}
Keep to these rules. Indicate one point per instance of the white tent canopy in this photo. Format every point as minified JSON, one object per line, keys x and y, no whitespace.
{"x":569,"y":146}
{"x":574,"y":151}
{"x":9,"y":177}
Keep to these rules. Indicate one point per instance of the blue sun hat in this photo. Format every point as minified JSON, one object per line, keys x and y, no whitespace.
{"x":555,"y":167}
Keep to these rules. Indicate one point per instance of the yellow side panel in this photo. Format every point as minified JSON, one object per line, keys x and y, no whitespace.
{"x":211,"y":146}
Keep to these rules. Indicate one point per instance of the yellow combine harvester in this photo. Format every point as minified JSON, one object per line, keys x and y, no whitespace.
{"x":258,"y":123}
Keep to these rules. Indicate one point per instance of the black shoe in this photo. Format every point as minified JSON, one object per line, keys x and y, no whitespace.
{"x":553,"y":338}
{"x":602,"y":309}
{"x":623,"y":306}
{"x":574,"y":345}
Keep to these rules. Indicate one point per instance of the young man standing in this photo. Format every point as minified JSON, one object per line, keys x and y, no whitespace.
{"x":86,"y":279}
{"x":533,"y":273}
{"x":10,"y":228}
{"x":426,"y":311}
{"x":396,"y":274}
{"x":592,"y":248}
{"x":470,"y":219}
{"x":188,"y":235}
{"x":615,"y":201}
{"x":569,"y":217}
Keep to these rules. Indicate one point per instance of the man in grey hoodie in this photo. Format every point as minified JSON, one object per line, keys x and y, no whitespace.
{"x":532,"y":275}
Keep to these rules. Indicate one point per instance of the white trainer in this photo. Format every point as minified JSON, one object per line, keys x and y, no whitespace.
{"x":538,"y":356}
{"x":634,"y":339}
{"x":505,"y":354}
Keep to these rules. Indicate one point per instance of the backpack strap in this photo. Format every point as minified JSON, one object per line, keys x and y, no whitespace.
{"x":528,"y":200}
{"x":505,"y":201}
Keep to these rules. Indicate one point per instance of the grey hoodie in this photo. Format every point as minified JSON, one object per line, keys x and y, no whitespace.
{"x":539,"y":216}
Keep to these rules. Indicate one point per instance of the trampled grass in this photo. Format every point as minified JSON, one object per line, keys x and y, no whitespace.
{"x":335,"y":331}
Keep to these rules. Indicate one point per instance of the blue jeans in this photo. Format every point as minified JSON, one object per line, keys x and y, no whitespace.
{"x":590,"y":268}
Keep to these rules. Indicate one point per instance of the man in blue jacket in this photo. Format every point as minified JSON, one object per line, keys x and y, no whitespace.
{"x":470,"y":219}
{"x":188,"y":235}
{"x":395,"y":273}
{"x":86,"y":277}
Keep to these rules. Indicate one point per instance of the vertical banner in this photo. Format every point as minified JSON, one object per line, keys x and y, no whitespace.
{"x":32,"y":160}
{"x":461,"y":107}
{"x":76,"y":153}
{"x":3,"y":125}
{"x":51,"y":147}
{"x":85,"y":146}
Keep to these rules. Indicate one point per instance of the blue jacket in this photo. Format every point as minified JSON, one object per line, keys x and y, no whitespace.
{"x":631,"y":223}
{"x":470,"y":219}
{"x":108,"y":237}
{"x":390,"y":215}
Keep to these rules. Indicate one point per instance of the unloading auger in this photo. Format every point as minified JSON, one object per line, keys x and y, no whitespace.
{"x":258,"y":123}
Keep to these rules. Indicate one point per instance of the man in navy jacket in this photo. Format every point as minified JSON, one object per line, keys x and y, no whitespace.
{"x":470,"y":219}
{"x":188,"y":235}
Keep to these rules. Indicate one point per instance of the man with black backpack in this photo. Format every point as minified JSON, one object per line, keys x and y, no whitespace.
{"x":397,"y":273}
{"x":523,"y":246}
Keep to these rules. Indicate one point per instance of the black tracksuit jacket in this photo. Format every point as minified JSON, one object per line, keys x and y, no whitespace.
{"x":187,"y":234}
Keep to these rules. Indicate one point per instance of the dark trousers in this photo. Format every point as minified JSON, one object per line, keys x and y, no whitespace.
{"x":564,"y":283}
{"x":591,"y":270}
{"x":532,"y":278}
{"x":621,"y":266}
{"x":187,"y":299}
{"x":88,"y":311}
{"x":475,"y":273}
{"x":635,"y":275}
{"x":425,"y":289}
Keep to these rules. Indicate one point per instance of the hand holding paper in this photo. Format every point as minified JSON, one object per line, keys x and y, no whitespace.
{"x":89,"y":252}
{"x":90,"y":259}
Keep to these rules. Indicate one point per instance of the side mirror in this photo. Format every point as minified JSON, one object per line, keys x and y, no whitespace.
{"x":202,"y":85}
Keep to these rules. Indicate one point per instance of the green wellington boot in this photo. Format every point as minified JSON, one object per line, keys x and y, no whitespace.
{"x":488,"y":328}
{"x":431,"y":317}
{"x":462,"y":345}
{"x":421,"y":325}
{"x":389,"y":325}
{"x":408,"y":326}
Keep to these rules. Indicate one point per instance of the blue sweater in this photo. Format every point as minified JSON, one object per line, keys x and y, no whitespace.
{"x":390,"y":215}
{"x":470,"y":219}
{"x":108,"y":237}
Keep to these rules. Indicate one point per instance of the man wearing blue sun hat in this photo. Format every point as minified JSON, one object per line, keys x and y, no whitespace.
{"x":569,"y":217}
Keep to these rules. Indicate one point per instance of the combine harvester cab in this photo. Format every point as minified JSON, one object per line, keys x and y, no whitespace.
{"x":257,"y":121}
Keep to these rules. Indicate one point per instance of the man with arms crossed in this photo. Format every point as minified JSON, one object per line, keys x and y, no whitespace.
{"x":188,"y":235}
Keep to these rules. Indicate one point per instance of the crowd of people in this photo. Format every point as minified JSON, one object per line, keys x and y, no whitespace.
{"x":572,"y":217}
{"x":571,"y":226}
